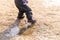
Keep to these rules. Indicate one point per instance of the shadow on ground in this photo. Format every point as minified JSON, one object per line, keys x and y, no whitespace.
{"x":13,"y":30}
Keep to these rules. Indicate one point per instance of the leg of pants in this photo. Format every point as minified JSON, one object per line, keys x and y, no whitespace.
{"x":27,"y":12}
{"x":20,"y":14}
{"x":29,"y":15}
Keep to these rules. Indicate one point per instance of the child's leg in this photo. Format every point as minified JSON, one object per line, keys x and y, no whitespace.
{"x":18,"y":4}
{"x":20,"y":15}
{"x":28,"y":14}
{"x":29,"y":17}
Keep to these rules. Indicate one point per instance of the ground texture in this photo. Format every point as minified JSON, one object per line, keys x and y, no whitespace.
{"x":47,"y":26}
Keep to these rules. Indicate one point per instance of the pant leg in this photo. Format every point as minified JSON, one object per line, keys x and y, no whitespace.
{"x":27,"y":12}
{"x":19,"y":4}
{"x":20,"y":14}
{"x":29,"y":15}
{"x":26,"y":8}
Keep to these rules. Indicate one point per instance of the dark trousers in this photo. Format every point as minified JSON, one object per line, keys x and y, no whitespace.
{"x":23,"y":9}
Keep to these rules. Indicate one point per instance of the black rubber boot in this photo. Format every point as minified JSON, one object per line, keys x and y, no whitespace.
{"x":32,"y":21}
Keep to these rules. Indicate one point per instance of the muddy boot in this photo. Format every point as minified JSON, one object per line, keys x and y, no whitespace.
{"x":32,"y":21}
